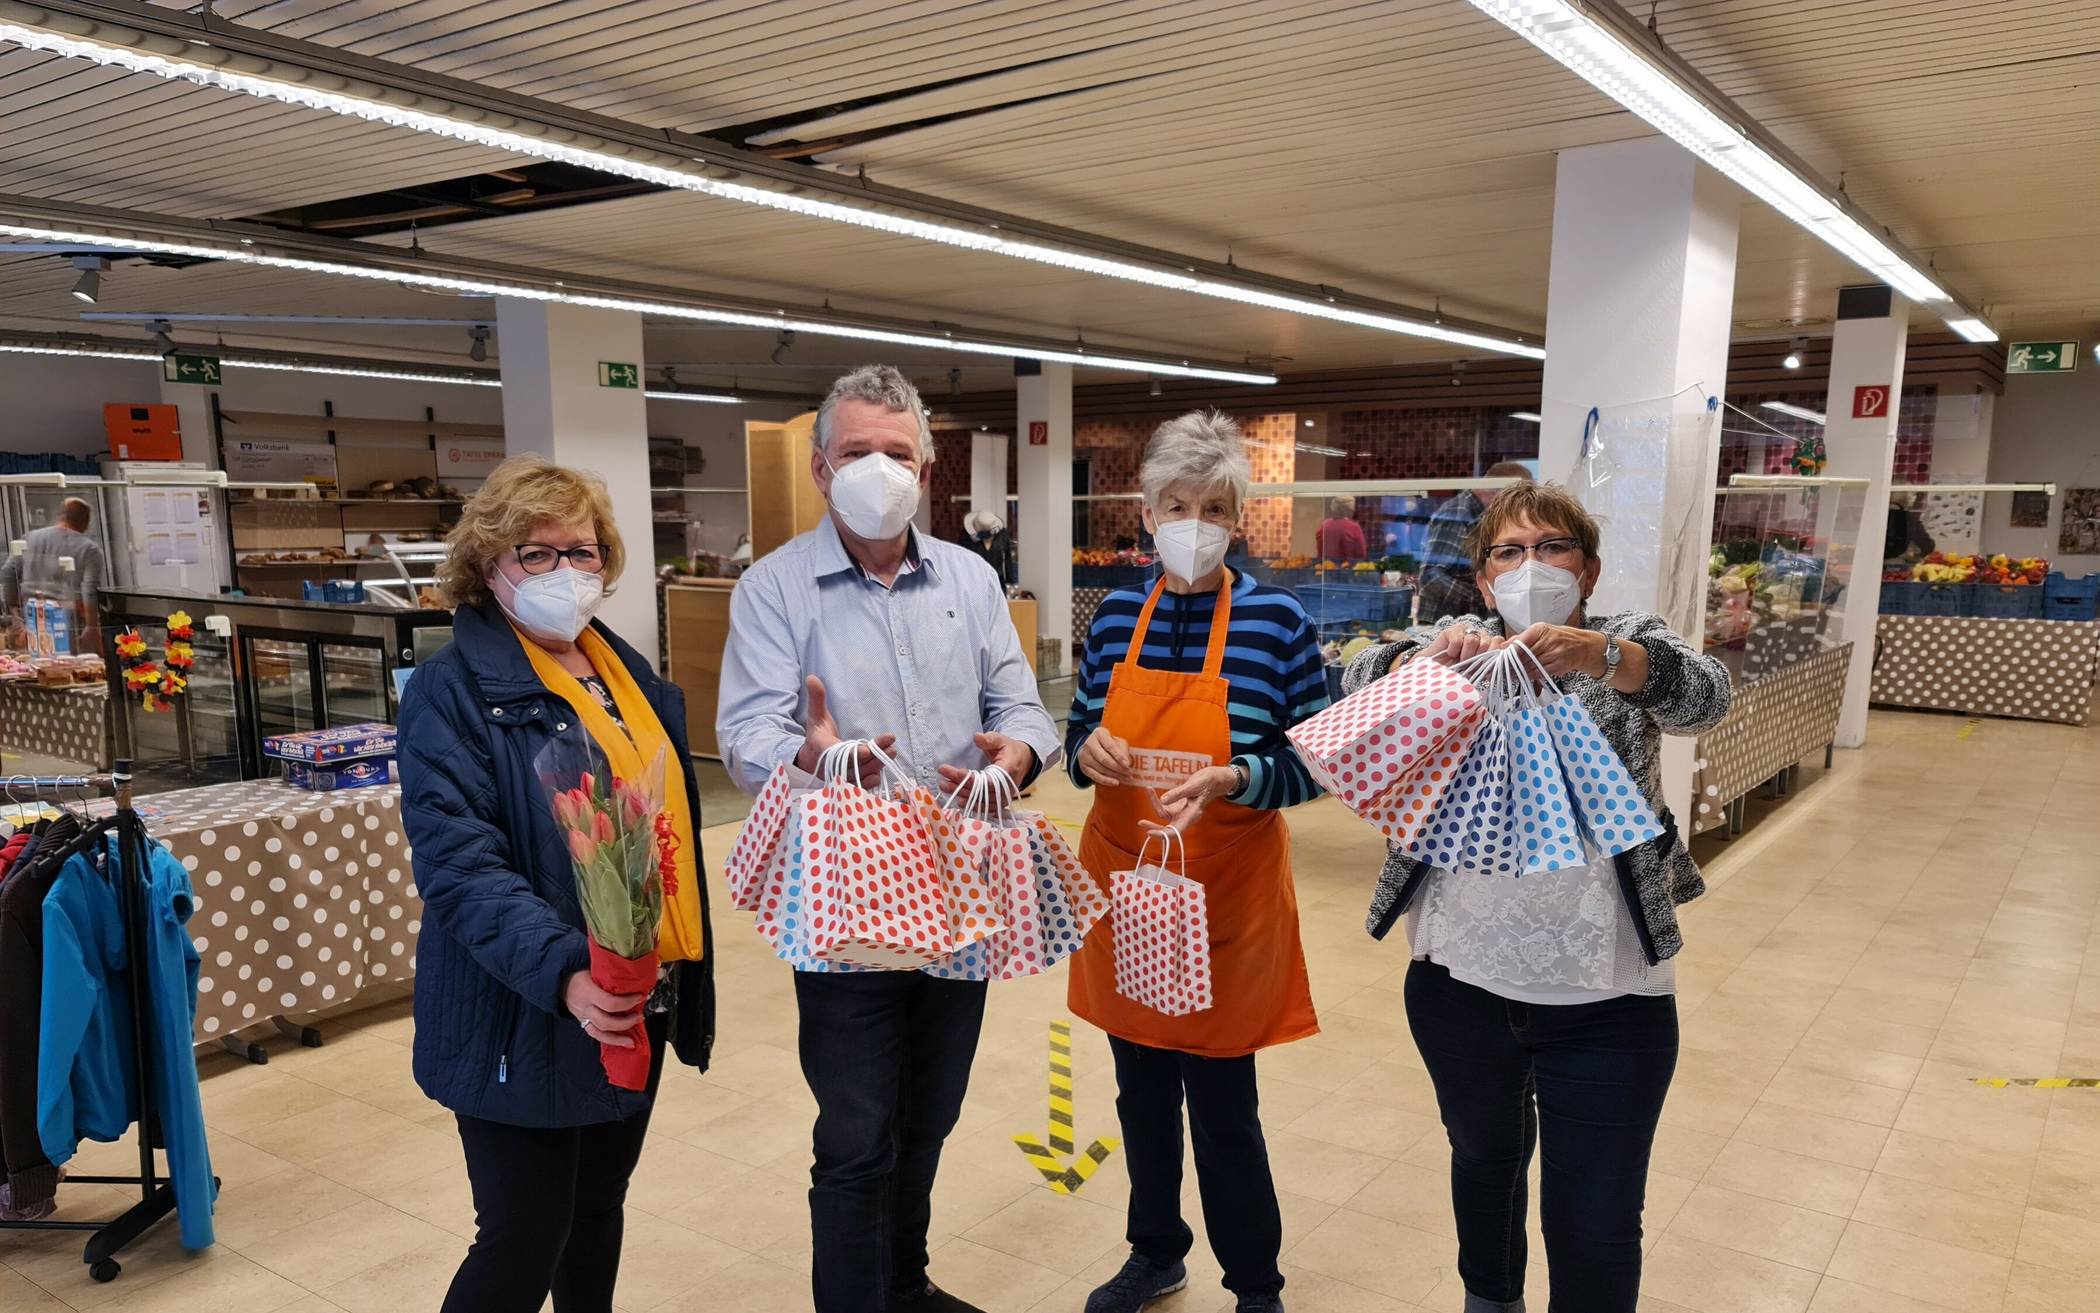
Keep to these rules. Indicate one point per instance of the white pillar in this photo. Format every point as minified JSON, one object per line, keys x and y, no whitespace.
{"x":1043,"y":397}
{"x":988,"y":456}
{"x":1638,"y":309}
{"x":193,"y":415}
{"x":555,"y":404}
{"x":1866,"y":374}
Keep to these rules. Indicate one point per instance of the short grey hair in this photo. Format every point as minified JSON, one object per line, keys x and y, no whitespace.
{"x":1202,"y":450}
{"x":886,"y":386}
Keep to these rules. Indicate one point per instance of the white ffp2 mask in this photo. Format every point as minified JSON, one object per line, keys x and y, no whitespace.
{"x":1536,"y":593}
{"x":558,"y":604}
{"x":1191,"y":549}
{"x":874,"y":496}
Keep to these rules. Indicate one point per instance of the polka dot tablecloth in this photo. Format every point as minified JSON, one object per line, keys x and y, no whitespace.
{"x":69,"y":724}
{"x":2027,"y":669}
{"x":1774,"y":722}
{"x":303,"y":899}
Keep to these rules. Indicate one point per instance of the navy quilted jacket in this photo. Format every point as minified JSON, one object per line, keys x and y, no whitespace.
{"x":501,"y":924}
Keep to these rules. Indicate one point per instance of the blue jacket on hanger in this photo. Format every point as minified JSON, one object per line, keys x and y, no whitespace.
{"x":85,"y":1063}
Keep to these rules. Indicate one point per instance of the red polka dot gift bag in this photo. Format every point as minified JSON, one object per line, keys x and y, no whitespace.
{"x":760,"y":850}
{"x":1391,"y":750}
{"x":870,"y":876}
{"x":1162,"y":936}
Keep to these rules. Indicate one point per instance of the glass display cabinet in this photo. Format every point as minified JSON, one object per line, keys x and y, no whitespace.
{"x":1778,"y":570}
{"x":264,"y":666}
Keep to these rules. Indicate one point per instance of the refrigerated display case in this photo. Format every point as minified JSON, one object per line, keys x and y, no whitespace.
{"x":264,"y":666}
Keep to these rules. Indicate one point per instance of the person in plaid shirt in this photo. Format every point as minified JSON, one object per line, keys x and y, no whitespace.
{"x":1447,"y":558}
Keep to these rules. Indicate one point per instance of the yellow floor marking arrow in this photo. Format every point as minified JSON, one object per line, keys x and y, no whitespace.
{"x":1967,"y":729}
{"x":2040,"y":1082}
{"x":1049,"y":1159}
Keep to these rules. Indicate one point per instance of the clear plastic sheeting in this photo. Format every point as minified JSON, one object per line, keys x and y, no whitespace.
{"x":1643,"y":462}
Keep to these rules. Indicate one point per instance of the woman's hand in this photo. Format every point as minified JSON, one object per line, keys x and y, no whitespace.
{"x":1456,"y":643}
{"x":1183,"y":804}
{"x":606,"y":1016}
{"x":1567,"y":650}
{"x":1105,"y":758}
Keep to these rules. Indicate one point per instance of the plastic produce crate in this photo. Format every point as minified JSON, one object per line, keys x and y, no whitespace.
{"x":1330,"y":602}
{"x":2065,"y":598}
{"x":1896,"y":597}
{"x":1926,"y":599}
{"x":2006,"y":601}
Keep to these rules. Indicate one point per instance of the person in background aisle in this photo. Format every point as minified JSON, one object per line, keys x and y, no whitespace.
{"x":863,"y":629}
{"x":62,"y":562}
{"x":1545,"y":1008}
{"x":508,"y":1020}
{"x":1448,"y":583}
{"x":987,"y":536}
{"x":1206,"y":661}
{"x":1340,"y":537}
{"x":1907,"y":538}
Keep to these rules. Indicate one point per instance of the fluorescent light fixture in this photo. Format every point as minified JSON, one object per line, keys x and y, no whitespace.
{"x":722,"y":398}
{"x":1975,"y":330}
{"x":1798,"y":412}
{"x":128,"y":231}
{"x":266,"y":76}
{"x":237,"y":361}
{"x":1528,"y":416}
{"x":1608,"y":49}
{"x":1314,"y":449}
{"x":2049,"y":488}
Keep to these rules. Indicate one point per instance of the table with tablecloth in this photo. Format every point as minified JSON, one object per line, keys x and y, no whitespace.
{"x":1775,"y":721}
{"x":2026,"y":669}
{"x":303,"y":900}
{"x":69,"y":724}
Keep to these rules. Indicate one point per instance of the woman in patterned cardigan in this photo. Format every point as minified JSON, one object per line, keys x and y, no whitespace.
{"x":1544,"y":1007}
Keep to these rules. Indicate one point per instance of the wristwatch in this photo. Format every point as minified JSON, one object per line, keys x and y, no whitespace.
{"x":1611,"y":657}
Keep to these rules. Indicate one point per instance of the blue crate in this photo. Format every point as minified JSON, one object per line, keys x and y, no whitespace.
{"x":1937,"y":599}
{"x":2005,"y":601}
{"x":2065,"y":598}
{"x":1331,"y":602}
{"x":1896,"y":597}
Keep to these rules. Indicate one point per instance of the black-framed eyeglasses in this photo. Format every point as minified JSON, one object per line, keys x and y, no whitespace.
{"x":1553,"y":551}
{"x":539,"y":558}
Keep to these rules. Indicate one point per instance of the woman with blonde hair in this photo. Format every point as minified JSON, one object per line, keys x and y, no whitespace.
{"x":508,"y":1022}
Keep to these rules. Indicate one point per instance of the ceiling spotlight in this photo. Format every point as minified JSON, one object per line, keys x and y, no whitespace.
{"x":88,"y":287}
{"x":1793,"y":355}
{"x":162,"y":342}
{"x":955,"y":383}
{"x":1156,"y":389}
{"x":480,"y":349}
{"x":781,"y":345}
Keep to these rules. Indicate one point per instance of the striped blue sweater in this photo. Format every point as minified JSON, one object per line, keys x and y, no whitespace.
{"x":1272,"y":662}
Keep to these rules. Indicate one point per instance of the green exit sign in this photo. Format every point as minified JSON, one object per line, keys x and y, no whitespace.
{"x":619,"y":374}
{"x":2041,"y":357}
{"x":178,"y":368}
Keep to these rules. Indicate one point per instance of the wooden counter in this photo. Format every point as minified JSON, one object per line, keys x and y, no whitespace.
{"x":696,"y":628}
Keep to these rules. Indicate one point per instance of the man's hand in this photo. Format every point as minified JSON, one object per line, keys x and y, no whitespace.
{"x":1104,"y":758}
{"x":1457,"y":643}
{"x":821,"y":732}
{"x":1014,"y":757}
{"x":1183,"y":804}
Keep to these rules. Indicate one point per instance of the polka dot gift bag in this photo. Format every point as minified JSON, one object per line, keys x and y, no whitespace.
{"x":1390,"y":749}
{"x":1544,"y":833}
{"x":1083,"y":893}
{"x":869,"y":873}
{"x":1608,"y":799}
{"x":1162,"y":936}
{"x":759,"y":849}
{"x":1000,"y":882}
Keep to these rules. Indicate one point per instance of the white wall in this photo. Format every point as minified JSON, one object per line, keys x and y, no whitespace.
{"x":2047,"y":430}
{"x":719,"y":433}
{"x":54,"y":403}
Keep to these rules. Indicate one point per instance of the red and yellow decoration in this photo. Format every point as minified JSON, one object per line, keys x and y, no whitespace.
{"x":158,"y":684}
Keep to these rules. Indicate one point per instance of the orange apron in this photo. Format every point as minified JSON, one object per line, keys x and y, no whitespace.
{"x":1240,"y":855}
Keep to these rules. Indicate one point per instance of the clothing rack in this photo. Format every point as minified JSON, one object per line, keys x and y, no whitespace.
{"x":156,"y":1194}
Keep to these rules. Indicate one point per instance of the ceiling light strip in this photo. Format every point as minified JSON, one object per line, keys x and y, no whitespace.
{"x":1609,"y":50}
{"x":93,"y":228}
{"x":54,"y":31}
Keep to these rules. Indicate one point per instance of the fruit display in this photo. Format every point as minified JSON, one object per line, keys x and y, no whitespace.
{"x":1100,"y":557}
{"x":2003,"y":569}
{"x":1944,"y":568}
{"x":1752,"y":594}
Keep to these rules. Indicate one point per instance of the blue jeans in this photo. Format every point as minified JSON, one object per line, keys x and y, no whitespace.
{"x":1588,"y":1081}
{"x":887,"y":1055}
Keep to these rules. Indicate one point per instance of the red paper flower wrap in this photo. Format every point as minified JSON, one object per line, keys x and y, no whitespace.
{"x":626,"y":1068}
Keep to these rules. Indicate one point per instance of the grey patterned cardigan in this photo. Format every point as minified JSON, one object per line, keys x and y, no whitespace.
{"x":1686,"y":692}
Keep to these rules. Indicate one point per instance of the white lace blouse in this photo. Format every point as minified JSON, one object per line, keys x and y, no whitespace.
{"x":1564,"y":937}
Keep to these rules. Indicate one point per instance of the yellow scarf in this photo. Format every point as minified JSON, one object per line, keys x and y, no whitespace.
{"x":679,"y":939}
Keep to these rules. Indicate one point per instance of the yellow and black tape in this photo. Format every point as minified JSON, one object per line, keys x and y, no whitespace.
{"x":2040,"y":1082}
{"x":1066,"y":1180}
{"x":1061,"y":1112}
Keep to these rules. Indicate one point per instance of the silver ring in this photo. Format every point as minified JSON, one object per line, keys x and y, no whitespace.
{"x":584,"y":1022}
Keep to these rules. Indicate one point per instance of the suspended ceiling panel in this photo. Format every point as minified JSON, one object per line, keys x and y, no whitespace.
{"x":1402,"y":148}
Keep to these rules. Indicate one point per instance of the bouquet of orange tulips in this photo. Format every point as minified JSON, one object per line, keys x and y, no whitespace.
{"x":625,"y":855}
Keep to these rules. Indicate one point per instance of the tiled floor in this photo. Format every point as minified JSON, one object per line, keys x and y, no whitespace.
{"x":1922,"y":915}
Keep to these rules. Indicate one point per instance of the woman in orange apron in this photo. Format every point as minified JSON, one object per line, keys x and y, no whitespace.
{"x":1213,"y":665}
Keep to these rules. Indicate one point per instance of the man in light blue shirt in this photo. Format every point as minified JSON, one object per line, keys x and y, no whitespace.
{"x":863,"y":629}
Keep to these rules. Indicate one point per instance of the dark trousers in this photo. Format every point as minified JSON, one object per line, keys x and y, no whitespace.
{"x":549,"y":1209}
{"x":1232,"y":1161}
{"x":1588,"y":1081}
{"x":887,"y":1055}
